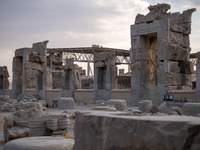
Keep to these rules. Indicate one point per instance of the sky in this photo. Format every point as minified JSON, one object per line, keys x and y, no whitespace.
{"x":77,"y":23}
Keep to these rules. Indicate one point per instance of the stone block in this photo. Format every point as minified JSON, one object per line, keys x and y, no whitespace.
{"x":177,"y":53}
{"x":176,"y":38}
{"x":191,"y":109}
{"x":173,"y":79}
{"x":35,"y":66}
{"x":119,"y":104}
{"x":52,"y":124}
{"x":33,"y":58}
{"x":115,"y":130}
{"x":145,"y":105}
{"x":173,"y":66}
{"x":104,"y":108}
{"x":63,"y":123}
{"x":66,"y":103}
{"x":99,"y":64}
{"x":40,"y":47}
{"x":102,"y":94}
{"x":40,"y":143}
{"x":42,"y":59}
{"x":176,"y":28}
{"x":30,"y":110}
{"x":15,"y":132}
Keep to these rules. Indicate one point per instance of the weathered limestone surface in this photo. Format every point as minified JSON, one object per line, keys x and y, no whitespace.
{"x":119,"y":104}
{"x":30,"y":70}
{"x":145,"y":105}
{"x":70,"y":78}
{"x":17,"y":127}
{"x":191,"y":109}
{"x":7,"y":104}
{"x":160,"y":53}
{"x":30,"y":110}
{"x":40,"y":143}
{"x":107,"y":130}
{"x":105,"y":73}
{"x":4,"y":82}
{"x":66,"y":103}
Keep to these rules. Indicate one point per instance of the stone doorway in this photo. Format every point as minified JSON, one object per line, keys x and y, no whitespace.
{"x":150,"y":65}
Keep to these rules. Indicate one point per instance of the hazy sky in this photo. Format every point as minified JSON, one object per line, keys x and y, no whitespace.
{"x":77,"y":23}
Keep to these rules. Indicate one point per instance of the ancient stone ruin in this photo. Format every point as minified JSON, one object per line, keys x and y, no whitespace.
{"x":4,"y":83}
{"x":160,"y":53}
{"x":55,"y":102}
{"x":30,"y":70}
{"x":105,"y":72}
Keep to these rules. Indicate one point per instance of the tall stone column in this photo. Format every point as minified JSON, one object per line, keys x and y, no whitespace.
{"x":198,"y":76}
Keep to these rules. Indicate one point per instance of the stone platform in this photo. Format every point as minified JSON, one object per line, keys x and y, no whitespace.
{"x":101,"y":130}
{"x":40,"y":143}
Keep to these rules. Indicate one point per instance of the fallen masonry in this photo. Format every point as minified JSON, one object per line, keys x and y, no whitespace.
{"x":119,"y":131}
{"x":48,"y":99}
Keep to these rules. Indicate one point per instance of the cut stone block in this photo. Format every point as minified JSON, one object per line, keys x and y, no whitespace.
{"x":145,"y":105}
{"x":191,"y":109}
{"x":66,"y":103}
{"x":119,"y":104}
{"x":101,"y":130}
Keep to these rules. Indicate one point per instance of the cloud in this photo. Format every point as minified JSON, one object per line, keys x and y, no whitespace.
{"x":24,"y":20}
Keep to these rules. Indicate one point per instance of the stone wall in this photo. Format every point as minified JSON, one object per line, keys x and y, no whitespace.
{"x":30,"y":70}
{"x":160,"y":53}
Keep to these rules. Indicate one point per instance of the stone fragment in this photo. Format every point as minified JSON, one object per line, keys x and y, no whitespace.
{"x":30,"y":110}
{"x":145,"y":105}
{"x":66,"y":103}
{"x":119,"y":104}
{"x":8,"y":107}
{"x":163,"y":109}
{"x":191,"y":109}
{"x":52,"y":124}
{"x":40,"y":143}
{"x":4,"y":98}
{"x":43,"y":102}
{"x":16,"y":132}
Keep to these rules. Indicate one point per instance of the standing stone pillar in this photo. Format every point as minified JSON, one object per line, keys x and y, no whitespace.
{"x":198,"y":76}
{"x":105,"y":72}
{"x":71,"y":78}
{"x":40,"y":48}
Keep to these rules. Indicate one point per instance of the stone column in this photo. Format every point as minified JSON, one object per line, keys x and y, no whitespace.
{"x":198,"y":76}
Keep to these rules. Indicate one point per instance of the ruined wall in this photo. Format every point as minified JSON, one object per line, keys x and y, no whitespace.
{"x":160,"y":53}
{"x":105,"y":73}
{"x":4,"y":82}
{"x":30,"y":70}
